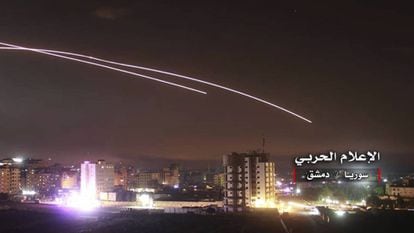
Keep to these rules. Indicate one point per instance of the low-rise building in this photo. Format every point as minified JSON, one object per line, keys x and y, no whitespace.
{"x":70,"y":180}
{"x":400,"y":191}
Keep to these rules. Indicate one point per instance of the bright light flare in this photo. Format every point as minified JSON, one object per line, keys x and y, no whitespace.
{"x":340,"y":213}
{"x":260,"y":203}
{"x":56,"y":52}
{"x":28,"y":192}
{"x":287,"y":190}
{"x":17,"y":160}
{"x":79,"y":202}
{"x":146,"y":200}
{"x":298,"y":208}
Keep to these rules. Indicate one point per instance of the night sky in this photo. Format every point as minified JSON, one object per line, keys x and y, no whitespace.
{"x":346,"y":65}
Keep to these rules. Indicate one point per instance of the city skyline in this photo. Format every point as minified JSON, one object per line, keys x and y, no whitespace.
{"x":339,"y":68}
{"x":206,"y":116}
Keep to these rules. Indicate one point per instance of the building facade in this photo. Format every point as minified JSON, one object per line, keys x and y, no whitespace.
{"x":105,"y":176}
{"x":88,"y":180}
{"x":400,"y":191}
{"x":149,"y":179}
{"x":46,"y":183}
{"x":121,"y":176}
{"x":249,"y":181}
{"x":96,"y":178}
{"x":169,"y":177}
{"x":70,"y":180}
{"x":9,"y":179}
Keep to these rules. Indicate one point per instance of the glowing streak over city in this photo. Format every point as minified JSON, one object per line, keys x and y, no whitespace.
{"x":104,"y":66}
{"x":55,"y":52}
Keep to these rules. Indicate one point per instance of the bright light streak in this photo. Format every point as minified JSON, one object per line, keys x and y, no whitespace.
{"x":17,"y":160}
{"x":296,"y":204}
{"x":55,"y":52}
{"x":298,"y":208}
{"x":298,"y":191}
{"x":103,"y":66}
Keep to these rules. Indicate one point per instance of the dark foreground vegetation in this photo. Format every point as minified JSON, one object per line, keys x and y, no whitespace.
{"x":33,"y":222}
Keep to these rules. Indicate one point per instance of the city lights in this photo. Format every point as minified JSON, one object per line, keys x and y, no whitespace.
{"x":28,"y":192}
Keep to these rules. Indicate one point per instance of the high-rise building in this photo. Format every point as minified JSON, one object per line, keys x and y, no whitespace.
{"x":192,"y":177}
{"x":121,"y":177}
{"x":148,"y":179}
{"x":170,"y":176}
{"x":96,"y":177}
{"x":46,"y":183}
{"x":219,"y":180}
{"x":156,"y":179}
{"x":9,"y":179}
{"x":125,"y":176}
{"x":250,"y":181}
{"x":29,"y":168}
{"x":105,"y":176}
{"x":88,"y":180}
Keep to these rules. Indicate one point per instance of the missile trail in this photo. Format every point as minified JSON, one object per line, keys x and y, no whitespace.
{"x":103,"y":66}
{"x":166,"y":73}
